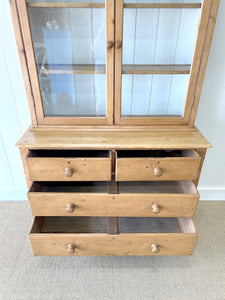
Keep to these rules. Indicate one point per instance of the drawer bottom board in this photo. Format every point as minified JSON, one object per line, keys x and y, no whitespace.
{"x":84,"y":236}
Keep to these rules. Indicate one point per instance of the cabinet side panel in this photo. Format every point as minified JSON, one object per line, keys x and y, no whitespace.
{"x":204,"y":59}
{"x":23,"y":60}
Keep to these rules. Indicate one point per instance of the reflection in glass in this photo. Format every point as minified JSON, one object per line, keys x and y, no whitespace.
{"x":69,"y":46}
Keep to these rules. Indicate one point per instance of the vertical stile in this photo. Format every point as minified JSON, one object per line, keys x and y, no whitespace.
{"x":113,"y":227}
{"x":118,"y":60}
{"x":204,"y":58}
{"x":110,"y":25}
{"x":28,"y":45}
{"x":199,"y":48}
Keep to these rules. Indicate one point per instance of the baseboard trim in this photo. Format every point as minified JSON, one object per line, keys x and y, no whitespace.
{"x":216,"y":194}
{"x":13,"y":195}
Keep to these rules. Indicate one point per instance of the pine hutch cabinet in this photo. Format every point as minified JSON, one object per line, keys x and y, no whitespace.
{"x":112,"y":159}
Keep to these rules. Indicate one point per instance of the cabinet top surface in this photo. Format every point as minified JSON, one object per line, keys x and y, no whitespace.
{"x":155,"y":138}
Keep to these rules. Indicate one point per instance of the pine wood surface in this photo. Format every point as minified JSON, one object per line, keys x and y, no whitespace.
{"x":171,"y":168}
{"x":114,"y":24}
{"x":204,"y":58}
{"x":46,"y":241}
{"x":53,"y":169}
{"x":107,"y":139}
{"x":112,"y":235}
{"x":127,"y":204}
{"x":23,"y":60}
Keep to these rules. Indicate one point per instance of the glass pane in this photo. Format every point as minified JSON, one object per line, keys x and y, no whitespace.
{"x":69,"y":46}
{"x":158,"y":47}
{"x":155,"y":95}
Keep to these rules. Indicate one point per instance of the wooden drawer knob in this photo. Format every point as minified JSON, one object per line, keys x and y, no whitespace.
{"x":155,"y":248}
{"x":69,"y":172}
{"x":71,"y":248}
{"x":156,"y":209}
{"x":118,"y":45}
{"x":157,"y":172}
{"x":109,"y":44}
{"x":70,"y":207}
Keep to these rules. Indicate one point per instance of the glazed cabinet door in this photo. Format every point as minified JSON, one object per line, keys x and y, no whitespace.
{"x":69,"y":47}
{"x":158,"y":48}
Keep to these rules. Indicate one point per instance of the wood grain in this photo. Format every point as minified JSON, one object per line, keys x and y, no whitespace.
{"x":172,"y":168}
{"x":66,"y":5}
{"x":204,"y":59}
{"x":54,"y":244}
{"x":30,"y":58}
{"x":118,"y":61}
{"x":74,"y":69}
{"x":23,"y":154}
{"x":156,"y":69}
{"x":108,"y":139}
{"x":23,"y":60}
{"x":75,"y":120}
{"x":199,"y":48}
{"x":201,"y":153}
{"x":122,"y":205}
{"x":53,"y":169}
{"x":110,"y":23}
{"x":162,"y":5}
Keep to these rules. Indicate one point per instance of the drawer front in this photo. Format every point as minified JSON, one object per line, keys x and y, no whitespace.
{"x":122,"y":205}
{"x":88,"y":236}
{"x":68,"y":169}
{"x":103,"y":244}
{"x":151,"y":168}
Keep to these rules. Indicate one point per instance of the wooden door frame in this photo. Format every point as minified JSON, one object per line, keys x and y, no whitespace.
{"x":206,"y":27}
{"x":21,"y":7}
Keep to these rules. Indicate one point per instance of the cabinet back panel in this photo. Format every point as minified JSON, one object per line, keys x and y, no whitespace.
{"x":157,"y":37}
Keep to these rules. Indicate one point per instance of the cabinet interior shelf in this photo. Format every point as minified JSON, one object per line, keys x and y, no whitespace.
{"x":73,"y":69}
{"x":156,"y":69}
{"x":126,"y":5}
{"x":126,"y":69}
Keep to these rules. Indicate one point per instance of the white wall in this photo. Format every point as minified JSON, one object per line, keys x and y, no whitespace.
{"x":14,"y":114}
{"x":211,"y":115}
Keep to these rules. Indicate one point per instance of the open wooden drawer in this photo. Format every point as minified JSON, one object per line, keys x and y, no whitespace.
{"x":61,"y":236}
{"x":139,"y":165}
{"x":137,"y":199}
{"x":69,"y":165}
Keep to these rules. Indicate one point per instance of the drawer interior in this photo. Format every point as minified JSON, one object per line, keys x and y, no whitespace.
{"x":70,"y":187}
{"x":99,"y":225}
{"x":69,"y":153}
{"x":167,"y":187}
{"x":175,"y":187}
{"x":156,"y":153}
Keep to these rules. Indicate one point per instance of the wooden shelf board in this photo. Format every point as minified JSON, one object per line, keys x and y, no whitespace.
{"x":126,"y":69}
{"x":106,"y":139}
{"x":156,"y":69}
{"x":126,"y":5}
{"x":73,"y":69}
{"x":66,"y":5}
{"x":162,"y":5}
